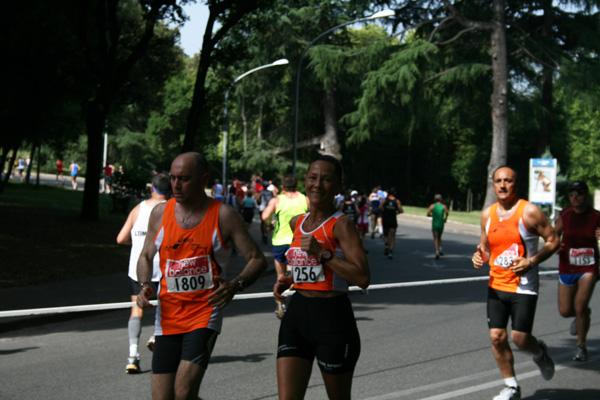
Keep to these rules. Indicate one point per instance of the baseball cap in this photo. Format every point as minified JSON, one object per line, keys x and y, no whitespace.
{"x":580,"y":186}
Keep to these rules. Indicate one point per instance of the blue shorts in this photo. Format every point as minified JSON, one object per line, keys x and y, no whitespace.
{"x":279,"y":253}
{"x":570,"y":279}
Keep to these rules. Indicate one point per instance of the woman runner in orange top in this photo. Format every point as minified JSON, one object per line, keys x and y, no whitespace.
{"x":325,"y":256}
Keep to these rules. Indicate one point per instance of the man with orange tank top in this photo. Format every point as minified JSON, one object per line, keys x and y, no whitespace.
{"x":510,"y":230}
{"x":191,"y":232}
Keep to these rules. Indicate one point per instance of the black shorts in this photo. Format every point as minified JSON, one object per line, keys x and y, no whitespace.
{"x":519,"y":307}
{"x":247,"y":215}
{"x":134,"y":288}
{"x":195,"y":346}
{"x":324,"y":328}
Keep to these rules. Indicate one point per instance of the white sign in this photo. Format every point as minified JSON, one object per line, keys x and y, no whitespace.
{"x":542,"y":180}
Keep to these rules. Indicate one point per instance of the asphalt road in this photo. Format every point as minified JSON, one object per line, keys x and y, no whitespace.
{"x":424,"y":342}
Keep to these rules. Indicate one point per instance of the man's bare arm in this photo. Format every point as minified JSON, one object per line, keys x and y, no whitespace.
{"x":482,"y":255}
{"x":535,"y":219}
{"x":233,"y":227}
{"x":271,"y":207}
{"x":145,"y":262}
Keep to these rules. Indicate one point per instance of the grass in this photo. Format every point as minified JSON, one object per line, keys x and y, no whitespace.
{"x":43,"y":238}
{"x":470,"y":218}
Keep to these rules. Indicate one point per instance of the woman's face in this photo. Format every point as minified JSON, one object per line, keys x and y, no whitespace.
{"x":322,"y":183}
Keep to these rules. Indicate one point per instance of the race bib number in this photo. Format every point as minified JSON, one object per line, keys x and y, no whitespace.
{"x":304,"y":269}
{"x":583,"y":256}
{"x":505,"y":259}
{"x":189,"y":275}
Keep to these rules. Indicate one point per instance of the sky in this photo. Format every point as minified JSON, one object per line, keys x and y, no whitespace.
{"x":193,"y":29}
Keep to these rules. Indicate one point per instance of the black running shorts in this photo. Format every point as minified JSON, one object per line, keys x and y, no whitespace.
{"x":195,"y":346}
{"x":324,"y":328}
{"x":519,"y":307}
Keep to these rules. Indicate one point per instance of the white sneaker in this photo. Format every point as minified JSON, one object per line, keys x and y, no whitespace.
{"x":509,"y":393}
{"x":545,"y":364}
{"x":133,"y":365}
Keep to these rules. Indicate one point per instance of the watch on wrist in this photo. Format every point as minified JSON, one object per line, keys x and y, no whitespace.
{"x":143,"y":285}
{"x":241,"y":285}
{"x":326,"y":255}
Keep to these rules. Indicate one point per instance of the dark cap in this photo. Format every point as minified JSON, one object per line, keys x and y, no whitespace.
{"x":579,"y":185}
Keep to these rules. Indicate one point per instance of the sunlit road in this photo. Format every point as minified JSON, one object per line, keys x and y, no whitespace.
{"x":425,"y":342}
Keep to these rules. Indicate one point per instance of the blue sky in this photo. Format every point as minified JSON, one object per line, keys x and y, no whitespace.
{"x":193,"y":30}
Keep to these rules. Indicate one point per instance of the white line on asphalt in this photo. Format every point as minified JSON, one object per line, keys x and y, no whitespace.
{"x":477,"y":376}
{"x":114,"y":306}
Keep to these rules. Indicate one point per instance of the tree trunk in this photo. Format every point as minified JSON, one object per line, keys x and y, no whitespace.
{"x":245,"y":125}
{"x":95,"y":117}
{"x":545,"y":133}
{"x":499,"y":98}
{"x":260,"y":119}
{"x":11,"y":163}
{"x":330,"y":144}
{"x":31,"y":157}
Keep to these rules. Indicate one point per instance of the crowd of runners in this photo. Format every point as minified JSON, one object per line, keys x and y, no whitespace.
{"x":182,"y":240}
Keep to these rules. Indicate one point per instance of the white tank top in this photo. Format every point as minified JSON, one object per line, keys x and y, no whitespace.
{"x":138,"y":236}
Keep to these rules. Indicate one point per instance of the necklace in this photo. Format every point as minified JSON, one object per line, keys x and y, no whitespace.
{"x":184,"y":218}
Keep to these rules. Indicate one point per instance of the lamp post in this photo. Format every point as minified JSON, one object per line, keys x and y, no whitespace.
{"x":282,"y":61}
{"x":380,"y":14}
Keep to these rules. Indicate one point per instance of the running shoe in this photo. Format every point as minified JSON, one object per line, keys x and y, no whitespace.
{"x":545,"y":364}
{"x":386,"y":251}
{"x":509,"y":393}
{"x":390,"y":255}
{"x":437,"y":255}
{"x":280,"y":309}
{"x":441,"y":252}
{"x":133,"y":365}
{"x":580,"y":353}
{"x":150,"y":343}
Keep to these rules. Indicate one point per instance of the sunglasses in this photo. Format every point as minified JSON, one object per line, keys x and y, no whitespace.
{"x":575,"y":193}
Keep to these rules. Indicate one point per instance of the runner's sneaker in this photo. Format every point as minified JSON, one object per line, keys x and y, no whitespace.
{"x":509,"y":393}
{"x":150,"y":343}
{"x":280,"y":309}
{"x":133,"y":365}
{"x":545,"y":363}
{"x":386,"y":251}
{"x":390,"y":254}
{"x":573,"y":328}
{"x":580,"y":353}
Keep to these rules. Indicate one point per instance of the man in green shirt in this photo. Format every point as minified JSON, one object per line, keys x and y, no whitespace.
{"x":439,"y":214}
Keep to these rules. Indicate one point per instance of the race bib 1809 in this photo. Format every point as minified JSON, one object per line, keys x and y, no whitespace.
{"x":584,"y":256}
{"x":189,"y":275}
{"x":505,"y":259}
{"x":304,"y":269}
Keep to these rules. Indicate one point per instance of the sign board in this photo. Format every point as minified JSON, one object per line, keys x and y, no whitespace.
{"x":542,"y":181}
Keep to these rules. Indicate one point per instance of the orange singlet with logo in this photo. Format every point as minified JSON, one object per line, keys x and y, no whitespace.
{"x":190,"y":259}
{"x":308,"y":273}
{"x":510,"y":238}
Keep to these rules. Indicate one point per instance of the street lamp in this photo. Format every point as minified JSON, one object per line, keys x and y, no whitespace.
{"x":282,"y":61}
{"x":380,"y":14}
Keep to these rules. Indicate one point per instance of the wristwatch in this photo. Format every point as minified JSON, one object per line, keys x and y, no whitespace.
{"x":326,"y":255}
{"x":241,"y":285}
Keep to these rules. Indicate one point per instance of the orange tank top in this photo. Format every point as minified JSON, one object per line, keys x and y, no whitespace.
{"x":308,"y":273}
{"x":510,"y":238}
{"x":190,"y":259}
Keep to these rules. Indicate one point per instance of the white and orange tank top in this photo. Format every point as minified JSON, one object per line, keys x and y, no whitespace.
{"x":190,"y":259}
{"x":307,"y":272}
{"x":510,"y":238}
